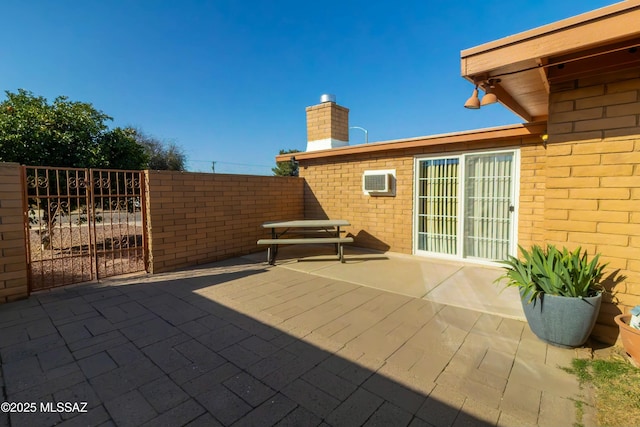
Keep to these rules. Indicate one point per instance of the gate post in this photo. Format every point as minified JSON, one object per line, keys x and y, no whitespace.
{"x":14,"y":282}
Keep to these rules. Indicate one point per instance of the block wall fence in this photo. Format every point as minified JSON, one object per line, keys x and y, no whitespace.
{"x":13,"y":255}
{"x":195,"y":218}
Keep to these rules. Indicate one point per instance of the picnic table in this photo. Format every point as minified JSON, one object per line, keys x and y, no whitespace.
{"x":310,"y":231}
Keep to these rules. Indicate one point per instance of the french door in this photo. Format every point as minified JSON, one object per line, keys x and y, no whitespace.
{"x":465,"y":205}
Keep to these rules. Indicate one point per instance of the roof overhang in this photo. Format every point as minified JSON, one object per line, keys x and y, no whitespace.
{"x":519,"y":132}
{"x":527,"y":64}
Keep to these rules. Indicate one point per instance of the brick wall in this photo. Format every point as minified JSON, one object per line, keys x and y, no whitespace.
{"x":333,"y":189}
{"x":13,"y":256}
{"x":592,"y":196}
{"x":533,"y":159}
{"x":327,"y":120}
{"x":195,"y":218}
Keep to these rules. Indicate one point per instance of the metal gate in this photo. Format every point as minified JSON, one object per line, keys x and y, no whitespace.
{"x":83,"y":224}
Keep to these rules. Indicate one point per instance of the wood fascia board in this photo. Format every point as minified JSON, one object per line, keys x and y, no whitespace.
{"x":480,"y":135}
{"x":622,"y":6}
{"x":581,"y":32}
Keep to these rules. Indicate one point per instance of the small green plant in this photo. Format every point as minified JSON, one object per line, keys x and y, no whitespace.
{"x":554,"y":272}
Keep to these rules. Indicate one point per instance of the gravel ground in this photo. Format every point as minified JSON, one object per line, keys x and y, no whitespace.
{"x":64,"y":258}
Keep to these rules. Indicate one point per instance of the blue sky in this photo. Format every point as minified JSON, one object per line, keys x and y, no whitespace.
{"x":229,"y":80}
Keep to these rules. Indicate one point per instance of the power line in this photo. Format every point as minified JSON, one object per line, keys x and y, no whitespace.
{"x":230,"y":163}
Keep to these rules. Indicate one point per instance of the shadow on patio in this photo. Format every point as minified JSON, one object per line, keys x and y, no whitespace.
{"x":241,"y":343}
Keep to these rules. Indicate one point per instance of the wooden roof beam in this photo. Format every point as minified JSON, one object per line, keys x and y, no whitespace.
{"x":507,"y":100}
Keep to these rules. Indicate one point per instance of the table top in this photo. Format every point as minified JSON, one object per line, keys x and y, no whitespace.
{"x":307,"y":223}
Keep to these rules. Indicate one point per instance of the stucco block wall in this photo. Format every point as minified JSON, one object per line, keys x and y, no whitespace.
{"x":333,"y":189}
{"x":195,"y":218}
{"x":592,"y":196}
{"x":13,"y":256}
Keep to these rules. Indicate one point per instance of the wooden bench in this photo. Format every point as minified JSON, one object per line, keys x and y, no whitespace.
{"x":273,"y":245}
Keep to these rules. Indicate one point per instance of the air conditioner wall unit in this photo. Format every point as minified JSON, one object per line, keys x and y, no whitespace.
{"x":379,"y":182}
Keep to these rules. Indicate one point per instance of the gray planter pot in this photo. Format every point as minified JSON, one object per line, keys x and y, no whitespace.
{"x":562,"y":321}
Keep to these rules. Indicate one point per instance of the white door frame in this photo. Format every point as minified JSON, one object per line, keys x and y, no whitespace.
{"x":513,"y":244}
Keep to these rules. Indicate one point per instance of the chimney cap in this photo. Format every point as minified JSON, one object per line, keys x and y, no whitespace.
{"x":327,"y":98}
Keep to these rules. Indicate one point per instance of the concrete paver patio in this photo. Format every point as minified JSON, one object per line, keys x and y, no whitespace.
{"x":242,"y":343}
{"x":449,"y":282}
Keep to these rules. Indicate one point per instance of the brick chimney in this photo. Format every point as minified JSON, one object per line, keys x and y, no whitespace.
{"x":327,"y":125}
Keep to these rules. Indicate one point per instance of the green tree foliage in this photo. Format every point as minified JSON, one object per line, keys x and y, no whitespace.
{"x":118,"y":152}
{"x":63,"y":133}
{"x":286,"y":168}
{"x":161,"y":156}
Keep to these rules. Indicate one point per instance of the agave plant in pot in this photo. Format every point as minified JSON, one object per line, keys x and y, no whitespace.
{"x":560,"y":291}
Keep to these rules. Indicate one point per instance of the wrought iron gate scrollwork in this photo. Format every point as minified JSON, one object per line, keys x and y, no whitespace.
{"x":83,"y":224}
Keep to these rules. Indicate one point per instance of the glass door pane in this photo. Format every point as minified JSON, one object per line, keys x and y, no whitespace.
{"x":488,"y":189}
{"x":437,"y":205}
